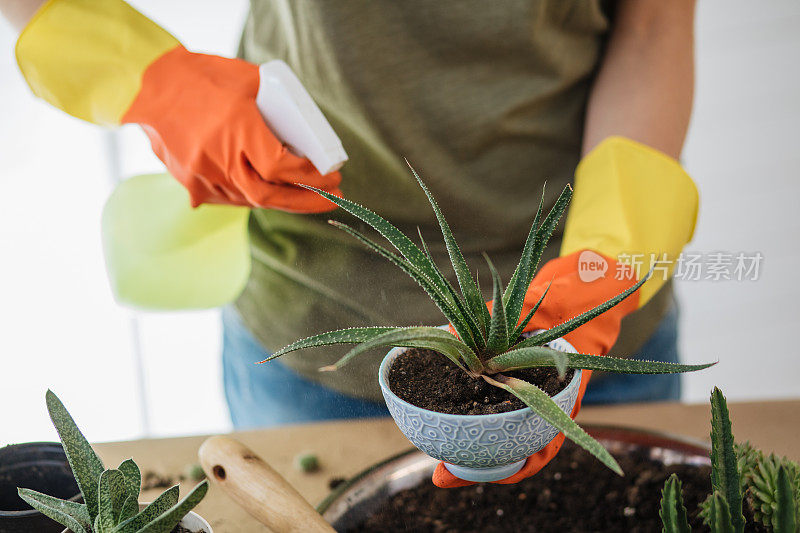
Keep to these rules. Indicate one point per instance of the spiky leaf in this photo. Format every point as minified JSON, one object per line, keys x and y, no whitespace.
{"x":498,"y":326}
{"x":86,"y":465}
{"x":532,"y":357}
{"x":544,"y":406}
{"x":133,"y":477}
{"x":469,"y":288}
{"x":165,"y":522}
{"x":724,"y":472}
{"x":340,"y":336}
{"x":786,"y":504}
{"x":535,"y":356}
{"x":397,"y":238}
{"x":720,"y":515}
{"x":448,"y":303}
{"x":525,"y":321}
{"x":70,"y":514}
{"x":514,"y":294}
{"x":480,"y":332}
{"x":576,"y":322}
{"x":530,"y":258}
{"x":156,"y":508}
{"x":673,"y":513}
{"x":418,"y":337}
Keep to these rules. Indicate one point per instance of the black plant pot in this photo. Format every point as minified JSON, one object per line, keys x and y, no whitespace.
{"x":41,"y":466}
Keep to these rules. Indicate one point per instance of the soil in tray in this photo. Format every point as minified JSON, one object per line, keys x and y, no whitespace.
{"x":429,"y":380}
{"x":575,"y":492}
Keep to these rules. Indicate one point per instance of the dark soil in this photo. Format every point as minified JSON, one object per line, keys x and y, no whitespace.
{"x":575,"y":492}
{"x":180,"y":529}
{"x":429,"y":380}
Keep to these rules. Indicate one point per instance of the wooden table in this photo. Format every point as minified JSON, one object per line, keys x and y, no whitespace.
{"x":346,"y":448}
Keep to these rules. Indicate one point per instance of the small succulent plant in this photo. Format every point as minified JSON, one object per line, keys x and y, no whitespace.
{"x":762,"y":484}
{"x":487,"y":343}
{"x":759,"y":481}
{"x":740,"y":474}
{"x":110,"y":496}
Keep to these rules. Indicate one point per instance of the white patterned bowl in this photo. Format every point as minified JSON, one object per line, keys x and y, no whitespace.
{"x":477,"y":447}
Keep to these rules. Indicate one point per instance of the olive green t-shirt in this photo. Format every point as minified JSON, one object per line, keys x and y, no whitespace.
{"x":485,"y":99}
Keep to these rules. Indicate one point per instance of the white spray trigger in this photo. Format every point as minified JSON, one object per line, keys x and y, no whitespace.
{"x":295,"y":119}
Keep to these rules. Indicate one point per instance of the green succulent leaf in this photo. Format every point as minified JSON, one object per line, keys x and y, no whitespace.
{"x":724,"y":471}
{"x":133,"y":477}
{"x":156,"y":508}
{"x":720,"y":515}
{"x":446,"y":303}
{"x":112,"y":492}
{"x":129,"y":509}
{"x":418,"y":337}
{"x":514,"y":294}
{"x":525,"y":321}
{"x":537,"y":356}
{"x":479,"y":332}
{"x":673,"y":513}
{"x":576,"y":322}
{"x":86,"y":465}
{"x":498,"y":327}
{"x":786,"y":509}
{"x":340,"y":336}
{"x":532,"y":357}
{"x":101,"y":525}
{"x":167,"y":521}
{"x":532,"y":254}
{"x":401,"y":242}
{"x":72,"y":515}
{"x":469,"y":288}
{"x":544,"y":406}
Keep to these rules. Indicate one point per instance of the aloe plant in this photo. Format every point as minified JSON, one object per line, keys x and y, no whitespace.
{"x":110,"y":496}
{"x":739,"y":473}
{"x":486,"y":344}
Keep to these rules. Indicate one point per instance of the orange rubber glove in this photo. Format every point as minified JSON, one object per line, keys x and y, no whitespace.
{"x":200,"y":114}
{"x":106,"y":63}
{"x":568,"y":296}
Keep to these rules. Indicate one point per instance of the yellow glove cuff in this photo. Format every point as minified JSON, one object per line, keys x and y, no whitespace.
{"x":87,"y":57}
{"x":634,"y":204}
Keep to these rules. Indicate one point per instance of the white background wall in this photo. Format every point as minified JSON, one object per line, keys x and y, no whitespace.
{"x":60,"y":328}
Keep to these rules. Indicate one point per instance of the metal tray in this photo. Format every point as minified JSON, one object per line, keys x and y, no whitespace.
{"x":359,"y":497}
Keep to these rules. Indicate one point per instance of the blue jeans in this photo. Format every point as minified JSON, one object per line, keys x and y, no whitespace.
{"x":273,"y":394}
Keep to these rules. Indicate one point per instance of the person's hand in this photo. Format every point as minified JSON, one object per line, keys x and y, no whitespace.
{"x":567,"y":297}
{"x":200,"y":114}
{"x":107,"y":63}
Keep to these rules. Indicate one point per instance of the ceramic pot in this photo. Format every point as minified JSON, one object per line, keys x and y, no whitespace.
{"x":477,"y":447}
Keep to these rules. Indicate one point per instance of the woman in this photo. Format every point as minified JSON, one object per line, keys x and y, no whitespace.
{"x":487,"y":100}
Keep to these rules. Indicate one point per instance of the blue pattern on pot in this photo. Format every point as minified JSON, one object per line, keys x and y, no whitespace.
{"x":476,"y":441}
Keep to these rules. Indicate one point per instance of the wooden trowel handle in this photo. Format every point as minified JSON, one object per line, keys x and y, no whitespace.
{"x":258,"y":488}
